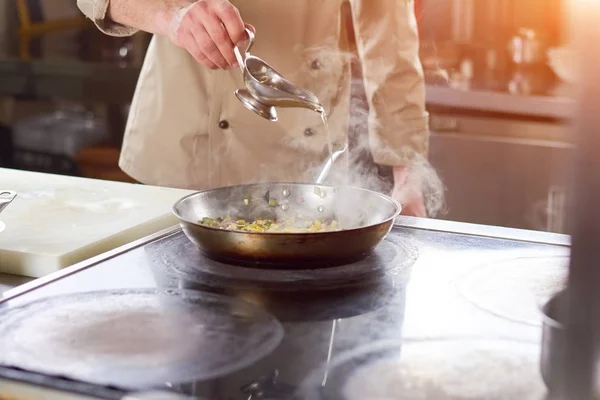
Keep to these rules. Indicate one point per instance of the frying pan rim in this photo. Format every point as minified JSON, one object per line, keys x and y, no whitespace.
{"x":396,"y":213}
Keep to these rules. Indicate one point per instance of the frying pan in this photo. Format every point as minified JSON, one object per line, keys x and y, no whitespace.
{"x":366,"y":217}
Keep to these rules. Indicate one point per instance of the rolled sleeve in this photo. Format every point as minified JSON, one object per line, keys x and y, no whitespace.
{"x":388,"y":45}
{"x":96,"y":11}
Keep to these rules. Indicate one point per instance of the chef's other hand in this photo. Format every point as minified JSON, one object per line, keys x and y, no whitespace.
{"x":208,"y":30}
{"x":407,"y":191}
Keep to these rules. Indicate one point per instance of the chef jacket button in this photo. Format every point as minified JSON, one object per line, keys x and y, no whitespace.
{"x":308,"y":132}
{"x":223,"y":124}
{"x":316,"y":64}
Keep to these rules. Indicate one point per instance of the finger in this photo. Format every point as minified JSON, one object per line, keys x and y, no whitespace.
{"x":415,"y":207}
{"x":220,"y":38}
{"x":192,"y":47}
{"x":251,"y":27}
{"x":231,"y":19}
{"x":208,"y":47}
{"x":415,"y":210}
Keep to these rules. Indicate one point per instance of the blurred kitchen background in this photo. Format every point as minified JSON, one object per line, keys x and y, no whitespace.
{"x":499,"y":86}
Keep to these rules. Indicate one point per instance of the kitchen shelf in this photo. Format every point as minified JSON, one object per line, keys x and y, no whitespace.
{"x":72,"y":80}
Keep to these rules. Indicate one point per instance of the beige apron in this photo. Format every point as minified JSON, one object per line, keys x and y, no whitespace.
{"x":187,"y":129}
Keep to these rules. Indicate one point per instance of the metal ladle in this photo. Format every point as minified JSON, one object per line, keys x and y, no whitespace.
{"x":266,"y":89}
{"x":6,"y":197}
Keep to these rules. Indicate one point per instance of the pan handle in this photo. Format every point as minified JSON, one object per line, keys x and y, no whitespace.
{"x":329,"y":163}
{"x":6,"y":197}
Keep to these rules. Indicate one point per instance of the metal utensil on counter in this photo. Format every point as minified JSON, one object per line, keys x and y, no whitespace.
{"x":266,"y":89}
{"x":554,"y":343}
{"x":6,"y":197}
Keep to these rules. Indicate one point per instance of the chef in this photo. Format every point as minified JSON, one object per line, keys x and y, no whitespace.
{"x":186,"y":128}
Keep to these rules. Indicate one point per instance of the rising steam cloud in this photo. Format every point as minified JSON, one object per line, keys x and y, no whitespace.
{"x":356,"y":167}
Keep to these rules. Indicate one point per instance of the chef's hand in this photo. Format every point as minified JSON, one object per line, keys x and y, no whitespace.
{"x":407,"y":191}
{"x":208,"y":29}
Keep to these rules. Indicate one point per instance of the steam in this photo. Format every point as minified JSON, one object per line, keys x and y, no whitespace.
{"x":357,"y":168}
{"x":308,"y":155}
{"x":423,"y":180}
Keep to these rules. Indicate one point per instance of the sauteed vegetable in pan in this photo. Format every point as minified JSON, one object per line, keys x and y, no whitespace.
{"x":286,"y":225}
{"x":269,"y":225}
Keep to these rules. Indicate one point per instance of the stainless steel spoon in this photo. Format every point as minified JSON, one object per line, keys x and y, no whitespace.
{"x":6,"y":197}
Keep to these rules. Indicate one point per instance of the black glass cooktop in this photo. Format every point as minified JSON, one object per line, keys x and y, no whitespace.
{"x":411,"y":288}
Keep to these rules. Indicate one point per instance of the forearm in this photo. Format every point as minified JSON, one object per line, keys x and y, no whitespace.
{"x":153,"y":16}
{"x":125,"y":17}
{"x":388,"y":45}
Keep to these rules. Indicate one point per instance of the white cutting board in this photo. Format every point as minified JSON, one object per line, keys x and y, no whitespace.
{"x":56,"y":221}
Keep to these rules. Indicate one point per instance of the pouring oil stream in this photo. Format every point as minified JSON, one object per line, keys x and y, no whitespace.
{"x":315,"y":106}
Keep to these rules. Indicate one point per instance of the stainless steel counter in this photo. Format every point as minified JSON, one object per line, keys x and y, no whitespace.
{"x":555,"y":107}
{"x":468,"y":281}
